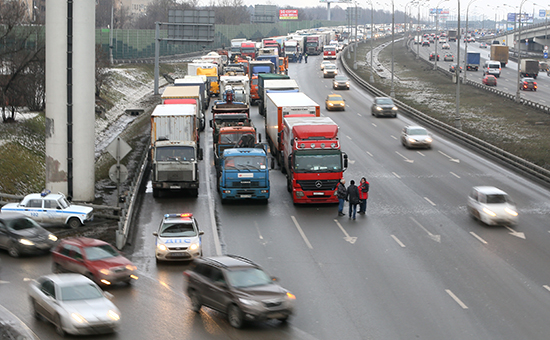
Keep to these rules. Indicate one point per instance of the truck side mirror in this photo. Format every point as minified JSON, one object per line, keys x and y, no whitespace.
{"x":259,"y":138}
{"x":345,"y":161}
{"x":210,"y":121}
{"x":200,"y":154}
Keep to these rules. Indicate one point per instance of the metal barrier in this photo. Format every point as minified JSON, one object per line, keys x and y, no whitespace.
{"x":496,"y":153}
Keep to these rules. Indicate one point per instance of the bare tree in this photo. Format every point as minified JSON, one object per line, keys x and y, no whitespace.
{"x":101,"y":68}
{"x":22,"y":50}
{"x":157,"y":11}
{"x":231,"y":12}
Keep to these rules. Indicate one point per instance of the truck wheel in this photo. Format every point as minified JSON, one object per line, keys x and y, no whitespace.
{"x":194,"y":192}
{"x":155,"y":193}
{"x":288,"y":184}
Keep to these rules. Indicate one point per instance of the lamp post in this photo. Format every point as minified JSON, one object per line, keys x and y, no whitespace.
{"x":518,"y":43}
{"x":355,"y":48}
{"x":437,"y":30}
{"x":466,"y":43}
{"x":392,"y":91}
{"x":458,"y":124}
{"x":371,"y":39}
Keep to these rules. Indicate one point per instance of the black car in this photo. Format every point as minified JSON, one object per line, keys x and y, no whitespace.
{"x":238,"y":287}
{"x":21,"y":235}
{"x":433,"y":56}
{"x":528,"y":84}
{"x":383,"y":106}
{"x":340,"y":82}
{"x":452,"y":68}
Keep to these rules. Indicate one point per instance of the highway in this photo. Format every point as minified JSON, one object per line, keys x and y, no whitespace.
{"x":416,"y":266}
{"x":507,"y":81}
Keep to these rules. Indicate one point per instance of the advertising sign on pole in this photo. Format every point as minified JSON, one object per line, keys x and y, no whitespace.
{"x":288,"y":14}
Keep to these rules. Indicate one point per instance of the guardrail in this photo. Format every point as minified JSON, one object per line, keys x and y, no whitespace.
{"x":477,"y":144}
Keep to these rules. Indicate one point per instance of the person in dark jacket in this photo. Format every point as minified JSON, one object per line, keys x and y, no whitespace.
{"x":363,"y":195}
{"x":353,"y":198}
{"x":341,"y":193}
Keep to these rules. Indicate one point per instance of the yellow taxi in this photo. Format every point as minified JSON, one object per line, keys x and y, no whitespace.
{"x":335,"y":102}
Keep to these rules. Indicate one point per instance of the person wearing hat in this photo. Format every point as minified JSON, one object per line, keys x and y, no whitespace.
{"x":341,"y":193}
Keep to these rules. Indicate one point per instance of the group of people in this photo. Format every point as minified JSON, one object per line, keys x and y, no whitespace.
{"x":355,"y":195}
{"x":299,"y":57}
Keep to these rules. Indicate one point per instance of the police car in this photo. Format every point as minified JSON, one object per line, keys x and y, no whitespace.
{"x":178,"y":238}
{"x":49,"y":208}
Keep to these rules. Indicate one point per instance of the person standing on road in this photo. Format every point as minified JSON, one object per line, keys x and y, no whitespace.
{"x":341,"y":193}
{"x":363,"y":195}
{"x":353,"y":198}
{"x":305,"y":57}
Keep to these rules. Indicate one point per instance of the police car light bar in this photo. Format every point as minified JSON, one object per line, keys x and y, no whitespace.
{"x":45,"y":192}
{"x":178,"y":215}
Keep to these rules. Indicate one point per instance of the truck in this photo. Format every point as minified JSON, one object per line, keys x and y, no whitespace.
{"x":244,"y":174}
{"x":329,"y":52}
{"x":313,"y":162}
{"x":529,"y":68}
{"x":236,"y":46}
{"x":274,"y":58}
{"x":175,"y":150}
{"x":200,"y":81}
{"x":228,"y":114}
{"x":185,"y":95}
{"x":275,"y":86}
{"x":279,"y":105}
{"x":210,"y":70}
{"x":256,"y":67}
{"x":283,"y":65}
{"x":500,"y":53}
{"x":452,"y":35}
{"x":313,"y":45}
{"x":248,"y":49}
{"x":472,"y":61}
{"x":291,"y":50}
{"x":272,"y":43}
{"x":239,"y":85}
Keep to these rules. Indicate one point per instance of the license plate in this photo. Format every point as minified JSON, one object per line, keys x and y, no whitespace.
{"x":178,"y":254}
{"x":275,"y":315}
{"x":246,"y":196}
{"x":318,"y":193}
{"x":175,"y":187}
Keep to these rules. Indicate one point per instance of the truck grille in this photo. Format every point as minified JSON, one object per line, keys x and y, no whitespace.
{"x":175,"y":176}
{"x":320,"y":185}
{"x":245,"y":184}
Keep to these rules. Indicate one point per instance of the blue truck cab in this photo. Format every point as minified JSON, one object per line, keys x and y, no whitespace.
{"x":244,"y":174}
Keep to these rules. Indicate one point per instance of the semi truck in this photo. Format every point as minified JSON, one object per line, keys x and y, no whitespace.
{"x":529,"y":68}
{"x":185,"y":95}
{"x":248,"y":49}
{"x":200,"y":81}
{"x":175,"y":150}
{"x":500,"y":53}
{"x":275,"y":86}
{"x":452,"y":35}
{"x":312,"y":159}
{"x":244,"y":174}
{"x":472,"y":61}
{"x":329,"y":52}
{"x":239,"y":85}
{"x":313,"y":45}
{"x":210,"y":70}
{"x":257,"y":67}
{"x":279,"y":105}
{"x":226,"y":114}
{"x":291,"y":50}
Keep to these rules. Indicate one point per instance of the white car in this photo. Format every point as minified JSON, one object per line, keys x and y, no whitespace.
{"x":74,"y":304}
{"x":51,"y":209}
{"x":178,"y":238}
{"x":325,"y":63}
{"x":492,"y":206}
{"x":416,"y":137}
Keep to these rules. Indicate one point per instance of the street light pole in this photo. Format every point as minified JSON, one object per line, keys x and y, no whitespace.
{"x":437,"y":30}
{"x":418,"y":31}
{"x":371,"y":39}
{"x":355,"y":49}
{"x":518,"y":96}
{"x":458,"y":124}
{"x":466,"y":43}
{"x":392,"y":91}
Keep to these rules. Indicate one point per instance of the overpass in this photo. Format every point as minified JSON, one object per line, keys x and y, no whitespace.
{"x":537,"y":37}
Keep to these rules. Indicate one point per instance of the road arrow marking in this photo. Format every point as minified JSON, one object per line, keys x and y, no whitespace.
{"x":456,"y":160}
{"x":350,"y":239}
{"x":405,"y":158}
{"x":436,"y":238}
{"x":516,"y":233}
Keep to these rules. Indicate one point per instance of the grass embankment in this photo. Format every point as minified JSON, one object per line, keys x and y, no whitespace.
{"x":518,"y":129}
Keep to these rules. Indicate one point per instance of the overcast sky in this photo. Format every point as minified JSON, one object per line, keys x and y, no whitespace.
{"x":480,"y":8}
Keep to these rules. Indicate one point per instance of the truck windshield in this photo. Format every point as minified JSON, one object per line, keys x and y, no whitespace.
{"x":175,"y":153}
{"x":245,"y":163}
{"x":232,"y":138}
{"x":318,"y":161}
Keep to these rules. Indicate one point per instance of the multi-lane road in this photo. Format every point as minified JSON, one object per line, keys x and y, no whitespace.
{"x":416,"y":266}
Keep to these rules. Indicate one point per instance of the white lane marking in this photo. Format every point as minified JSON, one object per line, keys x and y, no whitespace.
{"x":348,"y":137}
{"x":457,"y":176}
{"x":420,"y":153}
{"x":429,"y":201}
{"x":456,"y":160}
{"x":478,"y":237}
{"x":374,"y":125}
{"x":350,"y":239}
{"x":392,"y":136}
{"x":457,"y":300}
{"x":398,"y":241}
{"x":301,"y":232}
{"x":515,"y":233}
{"x":436,"y":238}
{"x":396,"y":175}
{"x":404,"y":157}
{"x":370,"y":154}
{"x":359,"y":114}
{"x":547,"y":287}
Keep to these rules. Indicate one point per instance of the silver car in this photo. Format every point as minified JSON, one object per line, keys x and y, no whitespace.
{"x":492,"y":206}
{"x":416,"y":137}
{"x":383,"y":106}
{"x":330,"y":71}
{"x":74,"y":304}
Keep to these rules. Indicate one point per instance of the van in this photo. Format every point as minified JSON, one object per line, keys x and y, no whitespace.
{"x":492,"y":67}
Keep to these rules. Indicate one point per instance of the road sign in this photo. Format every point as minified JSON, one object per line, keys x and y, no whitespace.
{"x":545,"y":55}
{"x":118,"y":148}
{"x":418,"y":28}
{"x":116,"y":171}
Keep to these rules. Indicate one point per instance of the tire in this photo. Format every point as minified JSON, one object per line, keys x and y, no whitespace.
{"x":74,"y":223}
{"x":235,"y":316}
{"x":288,"y":184}
{"x":195,"y":301}
{"x":13,"y":251}
{"x":155,"y":193}
{"x":58,"y":325}
{"x":195,"y":192}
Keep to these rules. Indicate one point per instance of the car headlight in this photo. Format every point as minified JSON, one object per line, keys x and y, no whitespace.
{"x":250,"y":302}
{"x":130,"y":267}
{"x":52,"y":237}
{"x":489,"y":212}
{"x":325,"y":71}
{"x":26,"y":242}
{"x":162,"y":247}
{"x":412,"y":140}
{"x":330,"y":104}
{"x":290,"y":296}
{"x":379,"y":108}
{"x":429,"y":140}
{"x":113,"y":315}
{"x":78,"y":318}
{"x":394,"y":108}
{"x":511,"y":212}
{"x":105,"y":271}
{"x":194,"y":246}
{"x":347,"y":83}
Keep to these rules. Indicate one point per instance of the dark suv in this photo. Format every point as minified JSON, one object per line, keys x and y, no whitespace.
{"x":238,"y":287}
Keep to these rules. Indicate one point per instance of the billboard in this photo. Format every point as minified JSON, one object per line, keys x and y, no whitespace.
{"x":544,"y":13}
{"x":288,"y":14}
{"x":440,"y":11}
{"x":525,"y":17}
